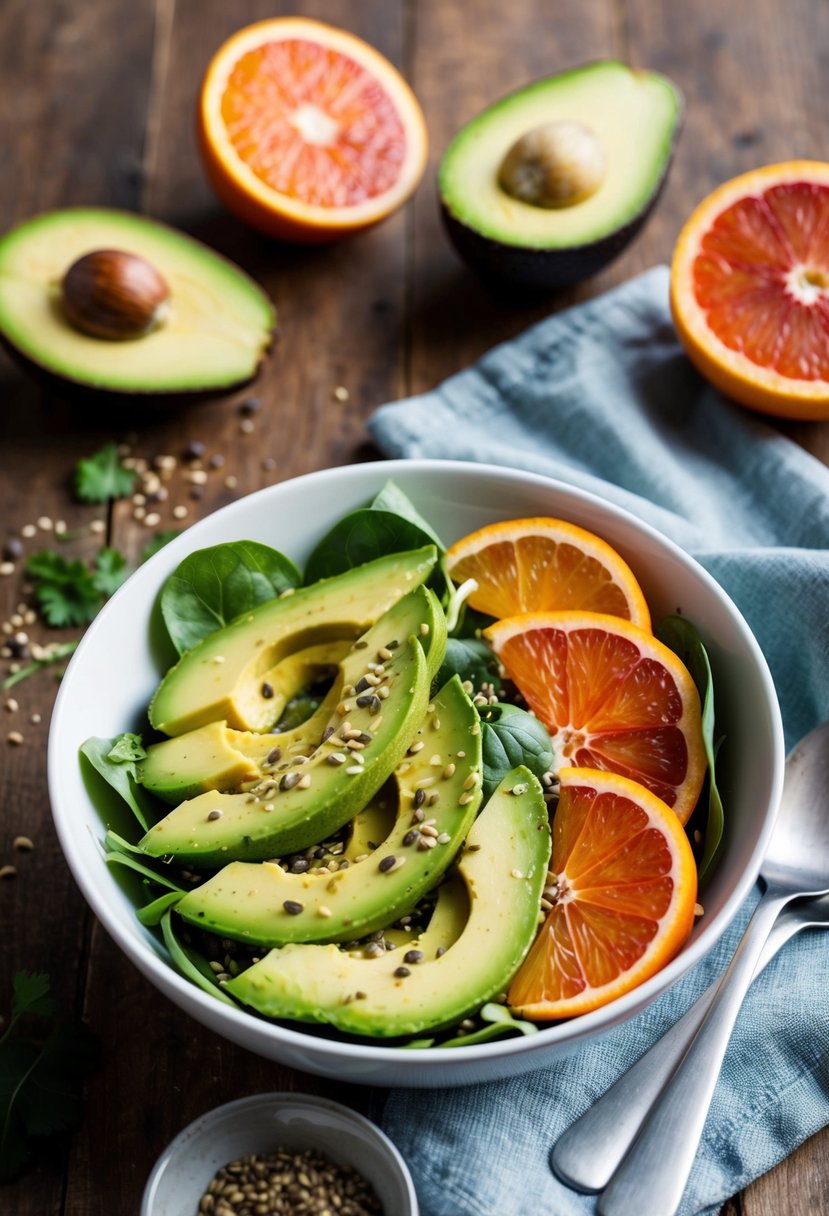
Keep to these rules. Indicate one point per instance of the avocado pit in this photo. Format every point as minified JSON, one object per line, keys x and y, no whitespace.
{"x":554,"y":165}
{"x":114,"y":295}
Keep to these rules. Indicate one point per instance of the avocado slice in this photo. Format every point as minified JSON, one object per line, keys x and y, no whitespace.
{"x":217,"y":326}
{"x":222,"y":678}
{"x":629,"y":118}
{"x":439,"y":782}
{"x":303,"y":800}
{"x":503,"y":868}
{"x":215,"y":757}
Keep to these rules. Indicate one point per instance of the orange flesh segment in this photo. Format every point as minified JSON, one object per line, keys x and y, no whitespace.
{"x":313,"y":124}
{"x":545,"y":564}
{"x":608,"y":701}
{"x":625,"y":902}
{"x":762,"y":278}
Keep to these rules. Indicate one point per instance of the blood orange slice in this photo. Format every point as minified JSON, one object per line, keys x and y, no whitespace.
{"x":611,"y":696}
{"x":541,"y":564}
{"x":307,"y":132}
{"x":750,"y":289}
{"x":623,"y":896}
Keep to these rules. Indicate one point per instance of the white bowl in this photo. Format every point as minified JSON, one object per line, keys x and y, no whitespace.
{"x":261,"y":1123}
{"x":114,"y":672}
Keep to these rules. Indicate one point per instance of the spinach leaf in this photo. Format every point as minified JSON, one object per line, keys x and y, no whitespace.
{"x":191,"y":964}
{"x":681,"y":636}
{"x":389,"y":524}
{"x":213,"y":586}
{"x":511,"y":736}
{"x":391,"y":498}
{"x":471,"y":659}
{"x":115,"y":760}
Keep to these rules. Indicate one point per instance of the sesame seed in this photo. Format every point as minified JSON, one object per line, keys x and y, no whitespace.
{"x":304,"y":782}
{"x":354,"y":769}
{"x":217,"y":814}
{"x":341,"y":393}
{"x":413,"y":956}
{"x":8,"y":871}
{"x":436,"y":761}
{"x":428,"y":830}
{"x":289,"y":781}
{"x":465,"y":799}
{"x":401,"y":972}
{"x":324,"y":911}
{"x":24,"y":844}
{"x":273,"y":755}
{"x":179,"y":512}
{"x":230,"y":482}
{"x":384,"y":653}
{"x":382,"y":693}
{"x":35,"y":719}
{"x":387,"y":864}
{"x":449,"y":771}
{"x":293,"y":907}
{"x":246,"y":426}
{"x":15,"y":738}
{"x":152,"y":519}
{"x":218,"y":658}
{"x":335,"y":758}
{"x":426,"y":842}
{"x":96,"y":526}
{"x":6,"y":568}
{"x":411,"y":837}
{"x":12,"y":705}
{"x":424,"y":630}
{"x":45,"y":524}
{"x":471,"y":781}
{"x":517,"y":873}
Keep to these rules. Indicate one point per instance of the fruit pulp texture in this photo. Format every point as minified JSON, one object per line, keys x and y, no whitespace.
{"x":313,"y":124}
{"x":762,"y":277}
{"x":606,"y":705}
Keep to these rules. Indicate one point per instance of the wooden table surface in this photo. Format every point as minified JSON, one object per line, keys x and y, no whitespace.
{"x":96,"y":106}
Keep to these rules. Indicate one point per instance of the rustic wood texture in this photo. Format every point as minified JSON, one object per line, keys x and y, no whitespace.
{"x":96,"y":106}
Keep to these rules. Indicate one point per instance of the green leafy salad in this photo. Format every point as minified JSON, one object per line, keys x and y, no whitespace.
{"x":339,"y":811}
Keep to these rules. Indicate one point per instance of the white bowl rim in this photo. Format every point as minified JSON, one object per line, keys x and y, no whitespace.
{"x":271,"y":1101}
{"x":583,"y":1027}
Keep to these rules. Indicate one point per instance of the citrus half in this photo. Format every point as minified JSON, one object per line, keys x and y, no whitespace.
{"x":624,"y":889}
{"x":612,"y":697}
{"x":750,"y":289}
{"x":542,"y":564}
{"x":307,"y":132}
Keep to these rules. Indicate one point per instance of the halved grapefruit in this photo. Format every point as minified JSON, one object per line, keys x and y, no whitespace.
{"x":623,"y":897}
{"x":750,"y":289}
{"x":307,"y":132}
{"x":527,"y":565}
{"x":612,"y":697}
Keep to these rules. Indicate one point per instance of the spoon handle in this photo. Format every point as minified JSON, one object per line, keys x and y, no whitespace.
{"x":651,"y":1179}
{"x":588,"y":1154}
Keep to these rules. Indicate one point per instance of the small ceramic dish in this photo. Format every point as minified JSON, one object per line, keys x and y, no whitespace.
{"x":261,"y":1123}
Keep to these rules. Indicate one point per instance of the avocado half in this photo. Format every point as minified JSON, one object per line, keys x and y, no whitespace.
{"x":635,"y":117}
{"x":218,"y":323}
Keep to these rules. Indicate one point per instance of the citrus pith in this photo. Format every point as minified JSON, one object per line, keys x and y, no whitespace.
{"x":750,"y":289}
{"x":624,"y":894}
{"x":543,"y":564}
{"x":612,"y":697}
{"x":307,"y":132}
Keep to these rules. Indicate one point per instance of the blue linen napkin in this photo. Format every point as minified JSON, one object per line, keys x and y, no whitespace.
{"x":603,"y":398}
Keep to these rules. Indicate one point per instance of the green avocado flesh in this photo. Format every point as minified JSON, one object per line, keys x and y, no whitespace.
{"x":219,"y":326}
{"x":223,"y":678}
{"x":247,"y":901}
{"x":503,"y":870}
{"x":633,"y":114}
{"x":299,"y":801}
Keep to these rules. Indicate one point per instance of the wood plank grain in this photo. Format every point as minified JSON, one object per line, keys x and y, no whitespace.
{"x":457,"y":71}
{"x":341,"y":324}
{"x":75,"y":82}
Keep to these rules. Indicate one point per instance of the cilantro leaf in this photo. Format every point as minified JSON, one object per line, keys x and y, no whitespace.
{"x":126,"y":748}
{"x":102,"y":476}
{"x":65,"y":591}
{"x":41,"y":1075}
{"x":30,"y":994}
{"x":110,"y":571}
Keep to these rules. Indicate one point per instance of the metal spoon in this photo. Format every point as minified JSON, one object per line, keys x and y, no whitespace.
{"x":588,"y":1154}
{"x":651,"y":1179}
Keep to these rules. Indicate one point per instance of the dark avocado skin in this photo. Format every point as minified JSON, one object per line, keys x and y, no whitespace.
{"x":543,"y":270}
